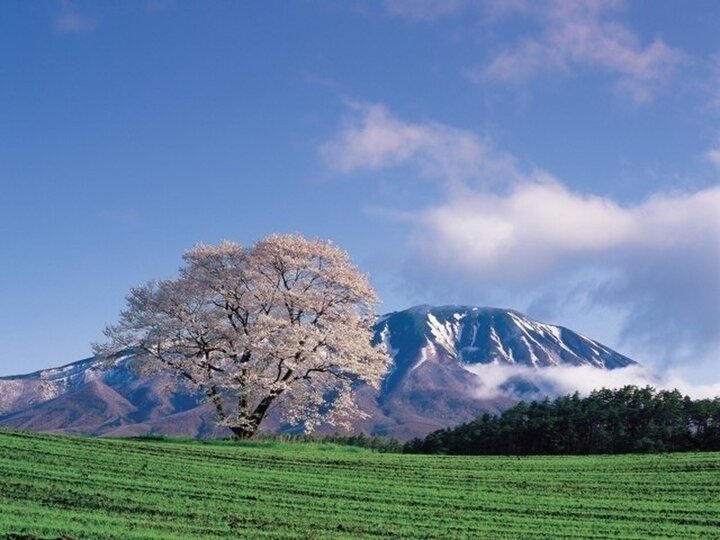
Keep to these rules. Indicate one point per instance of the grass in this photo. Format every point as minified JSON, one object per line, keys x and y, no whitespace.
{"x":53,"y":486}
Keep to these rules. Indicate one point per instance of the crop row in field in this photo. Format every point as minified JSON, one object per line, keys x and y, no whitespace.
{"x":89,"y":488}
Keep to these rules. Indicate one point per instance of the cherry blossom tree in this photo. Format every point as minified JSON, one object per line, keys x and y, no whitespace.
{"x":283,"y":324}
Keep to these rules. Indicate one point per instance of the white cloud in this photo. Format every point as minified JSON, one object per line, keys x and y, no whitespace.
{"x":498,"y":230}
{"x":372,"y":138}
{"x":497,"y":380}
{"x":540,"y":225}
{"x":580,"y":35}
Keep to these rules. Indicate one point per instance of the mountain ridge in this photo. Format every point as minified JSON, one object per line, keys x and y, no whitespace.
{"x":432,"y":382}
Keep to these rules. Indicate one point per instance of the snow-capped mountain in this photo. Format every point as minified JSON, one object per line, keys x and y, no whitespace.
{"x":432,"y":382}
{"x":102,"y":397}
{"x":482,"y":335}
{"x":20,"y":391}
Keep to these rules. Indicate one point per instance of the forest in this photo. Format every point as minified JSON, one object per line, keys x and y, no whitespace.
{"x":626,"y":420}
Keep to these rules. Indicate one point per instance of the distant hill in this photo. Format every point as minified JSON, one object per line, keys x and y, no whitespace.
{"x":431,"y":383}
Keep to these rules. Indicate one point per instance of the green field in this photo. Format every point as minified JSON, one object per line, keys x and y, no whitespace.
{"x":53,"y":486}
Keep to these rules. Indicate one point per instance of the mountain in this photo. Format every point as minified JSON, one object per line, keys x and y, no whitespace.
{"x":92,"y":404}
{"x":68,"y":399}
{"x":433,"y":381}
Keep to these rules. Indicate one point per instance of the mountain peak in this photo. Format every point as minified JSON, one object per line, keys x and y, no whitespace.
{"x":486,"y":335}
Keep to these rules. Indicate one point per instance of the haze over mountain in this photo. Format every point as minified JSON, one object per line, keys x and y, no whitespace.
{"x":433,"y":382}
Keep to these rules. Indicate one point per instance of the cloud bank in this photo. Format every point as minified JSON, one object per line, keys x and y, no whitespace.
{"x":504,"y":380}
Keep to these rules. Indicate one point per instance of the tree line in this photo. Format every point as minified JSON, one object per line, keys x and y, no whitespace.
{"x":626,"y":420}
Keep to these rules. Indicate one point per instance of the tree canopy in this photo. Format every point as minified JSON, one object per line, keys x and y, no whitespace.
{"x":283,"y":324}
{"x":626,"y":420}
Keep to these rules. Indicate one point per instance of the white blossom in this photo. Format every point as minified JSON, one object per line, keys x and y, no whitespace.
{"x":285,"y":323}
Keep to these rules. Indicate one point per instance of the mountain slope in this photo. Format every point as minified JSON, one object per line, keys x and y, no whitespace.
{"x":91,"y":408}
{"x":432,"y":383}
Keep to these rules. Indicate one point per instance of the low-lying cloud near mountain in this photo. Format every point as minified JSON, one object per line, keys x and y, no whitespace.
{"x":504,"y":235}
{"x":502,"y":380}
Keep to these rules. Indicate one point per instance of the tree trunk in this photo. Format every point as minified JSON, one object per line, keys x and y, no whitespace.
{"x":242,"y":433}
{"x":248,"y":431}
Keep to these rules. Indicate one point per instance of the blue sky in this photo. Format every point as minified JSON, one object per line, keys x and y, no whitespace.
{"x":561,"y":158}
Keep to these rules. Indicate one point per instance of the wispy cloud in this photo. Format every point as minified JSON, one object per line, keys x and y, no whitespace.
{"x":70,"y":20}
{"x":583,"y":35}
{"x":563,"y":37}
{"x":372,"y":138}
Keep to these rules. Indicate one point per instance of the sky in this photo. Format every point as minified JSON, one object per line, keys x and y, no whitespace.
{"x":557,"y":157}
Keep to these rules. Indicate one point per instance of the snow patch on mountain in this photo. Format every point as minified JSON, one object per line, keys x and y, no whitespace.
{"x":428,"y":352}
{"x":446,"y":333}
